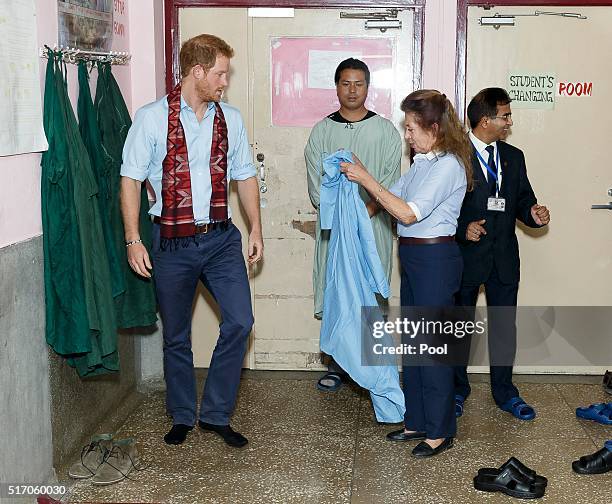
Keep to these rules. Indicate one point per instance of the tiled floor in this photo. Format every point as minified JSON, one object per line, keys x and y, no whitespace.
{"x":308,"y":446}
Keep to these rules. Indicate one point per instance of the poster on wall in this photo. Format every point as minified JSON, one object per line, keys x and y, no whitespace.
{"x":531,"y":90}
{"x":302,"y":76}
{"x":21,"y":124}
{"x":85,"y":24}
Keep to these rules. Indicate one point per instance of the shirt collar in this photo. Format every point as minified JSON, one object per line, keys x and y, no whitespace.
{"x":431,"y":155}
{"x":479,"y":144}
{"x":185,"y":105}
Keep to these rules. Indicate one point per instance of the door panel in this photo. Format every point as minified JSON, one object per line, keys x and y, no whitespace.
{"x":565,"y":149}
{"x":286,"y":332}
{"x":229,"y":24}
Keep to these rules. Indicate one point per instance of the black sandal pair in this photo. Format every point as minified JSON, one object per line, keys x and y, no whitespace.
{"x":513,"y":478}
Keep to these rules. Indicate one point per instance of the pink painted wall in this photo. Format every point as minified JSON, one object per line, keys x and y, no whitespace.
{"x":440,"y":46}
{"x":147,"y":46}
{"x":20,"y":175}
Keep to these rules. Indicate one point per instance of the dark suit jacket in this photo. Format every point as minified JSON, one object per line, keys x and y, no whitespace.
{"x":499,"y":246}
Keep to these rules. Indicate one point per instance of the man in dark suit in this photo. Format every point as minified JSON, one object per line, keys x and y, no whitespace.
{"x":487,"y":239}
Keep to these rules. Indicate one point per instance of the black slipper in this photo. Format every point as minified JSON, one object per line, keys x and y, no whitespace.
{"x":509,"y":482}
{"x":530,"y":474}
{"x":599,"y":462}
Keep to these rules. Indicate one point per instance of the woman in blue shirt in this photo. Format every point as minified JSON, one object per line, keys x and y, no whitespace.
{"x":426,"y":201}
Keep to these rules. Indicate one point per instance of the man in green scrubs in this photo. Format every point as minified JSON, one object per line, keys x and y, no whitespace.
{"x":376,"y":142}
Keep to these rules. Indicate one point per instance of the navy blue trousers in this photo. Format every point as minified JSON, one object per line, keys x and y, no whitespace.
{"x":215,"y":259}
{"x":431,"y":275}
{"x":501,"y":336}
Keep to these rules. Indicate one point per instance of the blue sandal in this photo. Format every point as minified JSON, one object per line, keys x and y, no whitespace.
{"x":336,"y":378}
{"x":599,"y":412}
{"x":459,"y":400}
{"x":519,"y":409}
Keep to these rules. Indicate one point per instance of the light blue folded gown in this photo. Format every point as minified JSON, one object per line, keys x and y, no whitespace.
{"x":354,"y":274}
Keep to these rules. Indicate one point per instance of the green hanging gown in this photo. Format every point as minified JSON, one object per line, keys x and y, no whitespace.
{"x":101,"y":165}
{"x":77,"y":276}
{"x":137,"y":305}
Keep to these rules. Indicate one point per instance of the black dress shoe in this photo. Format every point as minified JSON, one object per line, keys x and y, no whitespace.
{"x":177,"y":434}
{"x":400,"y":435}
{"x":229,"y":435}
{"x":424,"y":450}
{"x":598,"y":463}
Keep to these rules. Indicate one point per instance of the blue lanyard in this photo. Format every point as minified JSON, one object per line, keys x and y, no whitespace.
{"x":490,"y":170}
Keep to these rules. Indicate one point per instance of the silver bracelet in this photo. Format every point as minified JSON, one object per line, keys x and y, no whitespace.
{"x":133,"y":242}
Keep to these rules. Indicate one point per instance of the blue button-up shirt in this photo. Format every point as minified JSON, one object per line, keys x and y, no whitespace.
{"x":146,"y":146}
{"x":434,"y":187}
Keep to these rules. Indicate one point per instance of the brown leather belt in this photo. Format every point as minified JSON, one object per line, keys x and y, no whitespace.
{"x":204,"y":228}
{"x":426,"y":241}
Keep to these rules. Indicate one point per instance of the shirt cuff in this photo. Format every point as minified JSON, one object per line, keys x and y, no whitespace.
{"x":133,"y":172}
{"x":244,"y":173}
{"x":416,"y":210}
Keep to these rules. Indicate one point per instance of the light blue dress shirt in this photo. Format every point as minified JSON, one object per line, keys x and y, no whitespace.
{"x":146,"y":146}
{"x":354,"y":274}
{"x":434,"y":187}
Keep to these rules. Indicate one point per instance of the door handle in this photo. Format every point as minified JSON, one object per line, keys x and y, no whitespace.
{"x":262,"y":167}
{"x":262,"y":172}
{"x":602,"y":207}
{"x":263,"y":188}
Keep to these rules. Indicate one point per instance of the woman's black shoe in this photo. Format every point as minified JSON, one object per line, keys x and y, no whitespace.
{"x":424,"y":450}
{"x":401,"y":435}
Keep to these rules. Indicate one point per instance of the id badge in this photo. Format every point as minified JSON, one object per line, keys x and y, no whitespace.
{"x":496,"y":204}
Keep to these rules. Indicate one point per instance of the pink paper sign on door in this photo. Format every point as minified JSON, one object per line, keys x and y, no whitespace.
{"x":302,"y":76}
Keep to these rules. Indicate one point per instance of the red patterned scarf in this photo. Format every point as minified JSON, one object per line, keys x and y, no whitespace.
{"x":177,"y":220}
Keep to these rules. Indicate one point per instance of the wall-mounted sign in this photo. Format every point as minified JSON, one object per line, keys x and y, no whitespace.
{"x":85,"y":24}
{"x":532,"y":90}
{"x":575,"y":89}
{"x":302,"y":76}
{"x":21,"y":121}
